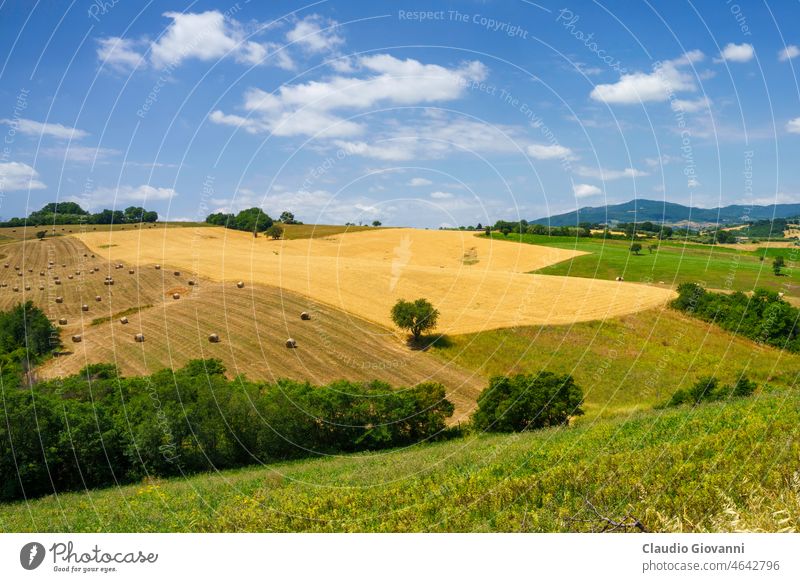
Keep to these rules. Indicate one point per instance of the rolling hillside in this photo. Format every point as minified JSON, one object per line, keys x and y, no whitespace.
{"x":253,"y":323}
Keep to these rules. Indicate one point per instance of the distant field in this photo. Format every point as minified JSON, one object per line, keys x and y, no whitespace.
{"x":253,"y":324}
{"x":624,"y":364}
{"x":720,"y":468}
{"x":673,"y":263}
{"x":475,"y":282}
{"x":9,"y":234}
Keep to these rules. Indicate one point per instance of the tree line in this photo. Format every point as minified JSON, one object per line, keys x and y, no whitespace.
{"x":72,"y":213}
{"x":763,"y":316}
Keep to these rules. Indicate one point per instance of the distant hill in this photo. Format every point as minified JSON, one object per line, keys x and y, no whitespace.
{"x":669,"y":213}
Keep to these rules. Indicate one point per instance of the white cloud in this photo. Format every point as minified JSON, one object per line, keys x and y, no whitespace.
{"x":737,"y":53}
{"x":690,"y":105}
{"x":793,"y":126}
{"x":205,"y":36}
{"x":549,"y":152}
{"x":439,"y":195}
{"x":315,"y":34}
{"x":397,"y":151}
{"x":584,"y":190}
{"x":80,"y":154}
{"x":105,"y":196}
{"x":19,"y":176}
{"x":666,"y":78}
{"x":121,"y":54}
{"x":310,"y":108}
{"x":605,"y":175}
{"x":419,"y":182}
{"x":37,"y":128}
{"x":788,"y":53}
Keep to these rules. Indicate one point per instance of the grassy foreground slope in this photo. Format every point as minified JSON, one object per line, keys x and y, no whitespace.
{"x":671,"y":264}
{"x":623,"y":364}
{"x":720,"y":467}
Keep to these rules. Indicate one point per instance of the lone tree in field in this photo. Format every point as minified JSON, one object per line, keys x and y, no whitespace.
{"x":376,"y":223}
{"x":415,"y":316}
{"x":778,"y":264}
{"x":275,"y":231}
{"x":636,"y":248}
{"x":287,"y":217}
{"x":40,"y":234}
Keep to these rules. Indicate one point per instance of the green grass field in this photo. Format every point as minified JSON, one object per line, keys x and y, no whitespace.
{"x":625,"y":364}
{"x":673,"y":263}
{"x":720,"y":467}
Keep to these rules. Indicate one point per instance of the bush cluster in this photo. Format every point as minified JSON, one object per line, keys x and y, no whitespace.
{"x":708,"y":389}
{"x":251,"y":220}
{"x":763,"y":316}
{"x":98,"y":429}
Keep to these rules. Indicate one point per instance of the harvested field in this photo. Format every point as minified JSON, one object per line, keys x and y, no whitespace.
{"x":252,"y":323}
{"x":364,"y":273}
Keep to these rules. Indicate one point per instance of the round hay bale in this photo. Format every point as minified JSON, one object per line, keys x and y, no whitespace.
{"x":69,"y":276}
{"x":6,"y":265}
{"x":213,"y":338}
{"x":176,"y":295}
{"x":16,"y":288}
{"x":123,"y":320}
{"x":41,"y":287}
{"x":63,"y":264}
{"x":50,"y":262}
{"x":305,"y":316}
{"x":76,"y":339}
{"x":41,"y":273}
{"x":77,"y":272}
{"x":62,"y":321}
{"x":191,"y":282}
{"x":19,"y":274}
{"x":58,"y":281}
{"x":98,"y":298}
{"x":59,"y":299}
{"x":84,"y":307}
{"x":240,"y":284}
{"x":139,"y":337}
{"x":291,"y":343}
{"x":92,"y":256}
{"x":3,"y":284}
{"x":27,"y":287}
{"x":176,"y":273}
{"x":30,"y":270}
{"x":130,"y":271}
{"x":158,"y":267}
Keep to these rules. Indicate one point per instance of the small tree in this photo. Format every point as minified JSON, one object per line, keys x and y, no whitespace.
{"x":40,"y":234}
{"x":652,"y":248}
{"x":778,"y":264}
{"x":415,"y":316}
{"x":275,"y":231}
{"x":636,"y":248}
{"x":488,"y":231}
{"x":287,"y":217}
{"x":376,"y":223}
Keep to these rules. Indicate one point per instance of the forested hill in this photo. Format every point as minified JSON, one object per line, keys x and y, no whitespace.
{"x":669,"y":213}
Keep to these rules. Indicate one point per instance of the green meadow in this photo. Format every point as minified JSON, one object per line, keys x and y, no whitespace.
{"x":672,"y":263}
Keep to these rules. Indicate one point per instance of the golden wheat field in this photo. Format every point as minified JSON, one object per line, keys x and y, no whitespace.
{"x":476,"y":283}
{"x":252,"y":323}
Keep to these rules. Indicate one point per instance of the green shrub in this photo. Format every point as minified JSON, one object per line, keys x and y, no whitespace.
{"x":524,"y":402}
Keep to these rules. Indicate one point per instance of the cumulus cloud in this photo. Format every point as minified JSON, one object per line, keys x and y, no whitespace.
{"x":393,"y":152}
{"x":105,"y":196}
{"x":793,"y":126}
{"x":439,"y":195}
{"x":549,"y":152}
{"x":18,"y":176}
{"x":315,"y":34}
{"x":789,"y":53}
{"x":737,"y":53}
{"x":37,"y":128}
{"x":690,"y":105}
{"x":584,"y":190}
{"x":605,"y":174}
{"x":666,"y":78}
{"x":311,"y":108}
{"x":121,"y":54}
{"x":419,"y":182}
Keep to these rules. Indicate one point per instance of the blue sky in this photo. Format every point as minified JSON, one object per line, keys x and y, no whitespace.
{"x":358,"y":111}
